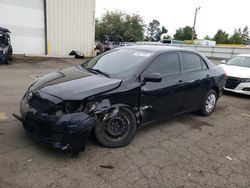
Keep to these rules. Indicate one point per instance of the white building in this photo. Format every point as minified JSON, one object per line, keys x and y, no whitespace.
{"x":53,"y":27}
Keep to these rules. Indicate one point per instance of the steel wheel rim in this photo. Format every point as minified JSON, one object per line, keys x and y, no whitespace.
{"x":210,"y":103}
{"x":116,"y":128}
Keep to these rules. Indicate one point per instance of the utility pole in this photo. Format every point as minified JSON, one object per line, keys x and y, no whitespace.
{"x":195,"y":16}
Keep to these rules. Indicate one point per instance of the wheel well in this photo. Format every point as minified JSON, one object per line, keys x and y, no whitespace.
{"x":217,"y":91}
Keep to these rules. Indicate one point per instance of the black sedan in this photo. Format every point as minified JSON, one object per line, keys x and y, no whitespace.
{"x":116,"y":92}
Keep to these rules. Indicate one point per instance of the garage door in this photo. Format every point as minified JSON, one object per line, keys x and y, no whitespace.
{"x":25,"y":20}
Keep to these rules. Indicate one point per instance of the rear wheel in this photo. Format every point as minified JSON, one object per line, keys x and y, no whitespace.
{"x":117,"y":131}
{"x":209,"y":103}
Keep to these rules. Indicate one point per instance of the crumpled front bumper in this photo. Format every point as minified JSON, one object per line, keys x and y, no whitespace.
{"x":66,"y":132}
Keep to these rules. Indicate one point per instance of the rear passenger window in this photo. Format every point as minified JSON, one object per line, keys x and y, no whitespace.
{"x":192,"y":62}
{"x":166,"y":64}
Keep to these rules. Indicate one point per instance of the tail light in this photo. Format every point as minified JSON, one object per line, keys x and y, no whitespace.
{"x":225,"y":75}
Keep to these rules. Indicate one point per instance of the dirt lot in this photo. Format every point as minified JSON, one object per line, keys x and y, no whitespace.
{"x":187,"y":151}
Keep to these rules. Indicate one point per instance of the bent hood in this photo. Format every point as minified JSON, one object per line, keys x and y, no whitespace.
{"x":74,"y":84}
{"x":236,"y":71}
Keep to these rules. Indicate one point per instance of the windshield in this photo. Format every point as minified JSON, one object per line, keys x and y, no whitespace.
{"x":121,"y":62}
{"x":242,"y":61}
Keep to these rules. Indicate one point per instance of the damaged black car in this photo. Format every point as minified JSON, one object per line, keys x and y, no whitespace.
{"x":5,"y":46}
{"x":115,"y":93}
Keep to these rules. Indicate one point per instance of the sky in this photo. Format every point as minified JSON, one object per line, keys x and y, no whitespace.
{"x":173,"y":14}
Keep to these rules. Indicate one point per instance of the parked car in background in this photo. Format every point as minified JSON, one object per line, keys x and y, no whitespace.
{"x":118,"y":91}
{"x":108,"y":43}
{"x":238,"y":74}
{"x":5,"y":46}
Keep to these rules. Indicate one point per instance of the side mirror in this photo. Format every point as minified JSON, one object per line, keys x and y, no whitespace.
{"x":153,"y":77}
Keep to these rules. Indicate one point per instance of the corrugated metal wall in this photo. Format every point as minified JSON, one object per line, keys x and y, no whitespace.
{"x":70,"y":26}
{"x":25,"y":20}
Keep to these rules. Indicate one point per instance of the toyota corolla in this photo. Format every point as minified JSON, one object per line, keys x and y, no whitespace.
{"x":115,"y":93}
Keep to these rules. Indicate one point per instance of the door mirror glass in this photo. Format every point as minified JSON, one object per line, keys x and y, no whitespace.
{"x":153,"y":77}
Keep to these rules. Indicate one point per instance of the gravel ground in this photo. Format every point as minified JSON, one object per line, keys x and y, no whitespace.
{"x":186,"y":151}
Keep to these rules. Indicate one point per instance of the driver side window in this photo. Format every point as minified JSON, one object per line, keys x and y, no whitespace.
{"x":166,"y":64}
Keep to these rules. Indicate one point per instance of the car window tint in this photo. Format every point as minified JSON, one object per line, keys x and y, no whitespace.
{"x":166,"y":64}
{"x":191,"y":62}
{"x":121,"y":62}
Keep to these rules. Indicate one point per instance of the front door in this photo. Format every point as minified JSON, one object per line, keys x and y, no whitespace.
{"x":162,"y":99}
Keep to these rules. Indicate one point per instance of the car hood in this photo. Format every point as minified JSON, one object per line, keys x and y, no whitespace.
{"x":236,"y":71}
{"x":74,"y":84}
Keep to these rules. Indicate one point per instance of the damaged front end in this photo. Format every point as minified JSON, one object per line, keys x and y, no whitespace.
{"x":5,"y":46}
{"x":62,"y":125}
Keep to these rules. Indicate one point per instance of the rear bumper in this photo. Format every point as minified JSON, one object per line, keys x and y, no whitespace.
{"x":67,"y":132}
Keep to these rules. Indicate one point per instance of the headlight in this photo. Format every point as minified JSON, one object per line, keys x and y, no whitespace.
{"x":91,"y":106}
{"x":98,"y":106}
{"x":67,"y":107}
{"x":73,"y":107}
{"x":57,"y":110}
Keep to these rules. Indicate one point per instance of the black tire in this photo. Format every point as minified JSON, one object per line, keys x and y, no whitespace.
{"x":8,"y":62}
{"x":107,"y":134}
{"x":205,"y":110}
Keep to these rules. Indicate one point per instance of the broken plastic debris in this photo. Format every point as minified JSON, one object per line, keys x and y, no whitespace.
{"x":30,"y":160}
{"x":229,"y":158}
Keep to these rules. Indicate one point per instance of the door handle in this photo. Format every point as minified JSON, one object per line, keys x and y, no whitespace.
{"x":180,"y":81}
{"x":208,"y":75}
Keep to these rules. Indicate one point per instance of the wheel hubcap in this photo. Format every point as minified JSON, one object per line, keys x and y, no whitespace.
{"x":117,"y":127}
{"x":210,"y":103}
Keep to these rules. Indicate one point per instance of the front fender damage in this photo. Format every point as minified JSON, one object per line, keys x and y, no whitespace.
{"x":67,"y":131}
{"x":77,"y":128}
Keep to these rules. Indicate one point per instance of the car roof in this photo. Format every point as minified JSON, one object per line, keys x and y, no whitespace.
{"x":5,"y":30}
{"x":156,"y":48}
{"x":244,"y":55}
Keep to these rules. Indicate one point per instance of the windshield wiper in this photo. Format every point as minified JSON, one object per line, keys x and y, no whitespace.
{"x":98,"y":71}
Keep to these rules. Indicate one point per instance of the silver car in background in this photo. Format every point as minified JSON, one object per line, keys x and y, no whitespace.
{"x":238,"y":74}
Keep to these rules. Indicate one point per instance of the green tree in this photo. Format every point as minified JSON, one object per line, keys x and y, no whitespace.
{"x":110,"y":24}
{"x":167,"y":37}
{"x":134,"y":28}
{"x":154,"y":31}
{"x":207,"y":37}
{"x":184,"y":33}
{"x":221,"y":37}
{"x":188,"y":31}
{"x":245,"y":35}
{"x":130,"y":27}
{"x":237,"y":37}
{"x":179,"y":34}
{"x":164,"y":30}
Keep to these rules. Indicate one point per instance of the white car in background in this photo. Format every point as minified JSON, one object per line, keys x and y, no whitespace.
{"x":238,"y":74}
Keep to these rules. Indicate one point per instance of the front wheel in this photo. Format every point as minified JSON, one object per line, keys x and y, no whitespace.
{"x":117,"y":131}
{"x":209,"y":103}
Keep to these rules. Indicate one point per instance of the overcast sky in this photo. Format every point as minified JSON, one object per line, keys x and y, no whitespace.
{"x":214,"y":14}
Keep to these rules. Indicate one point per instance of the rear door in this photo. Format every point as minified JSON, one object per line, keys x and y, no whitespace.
{"x":161,"y":99}
{"x":196,"y":79}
